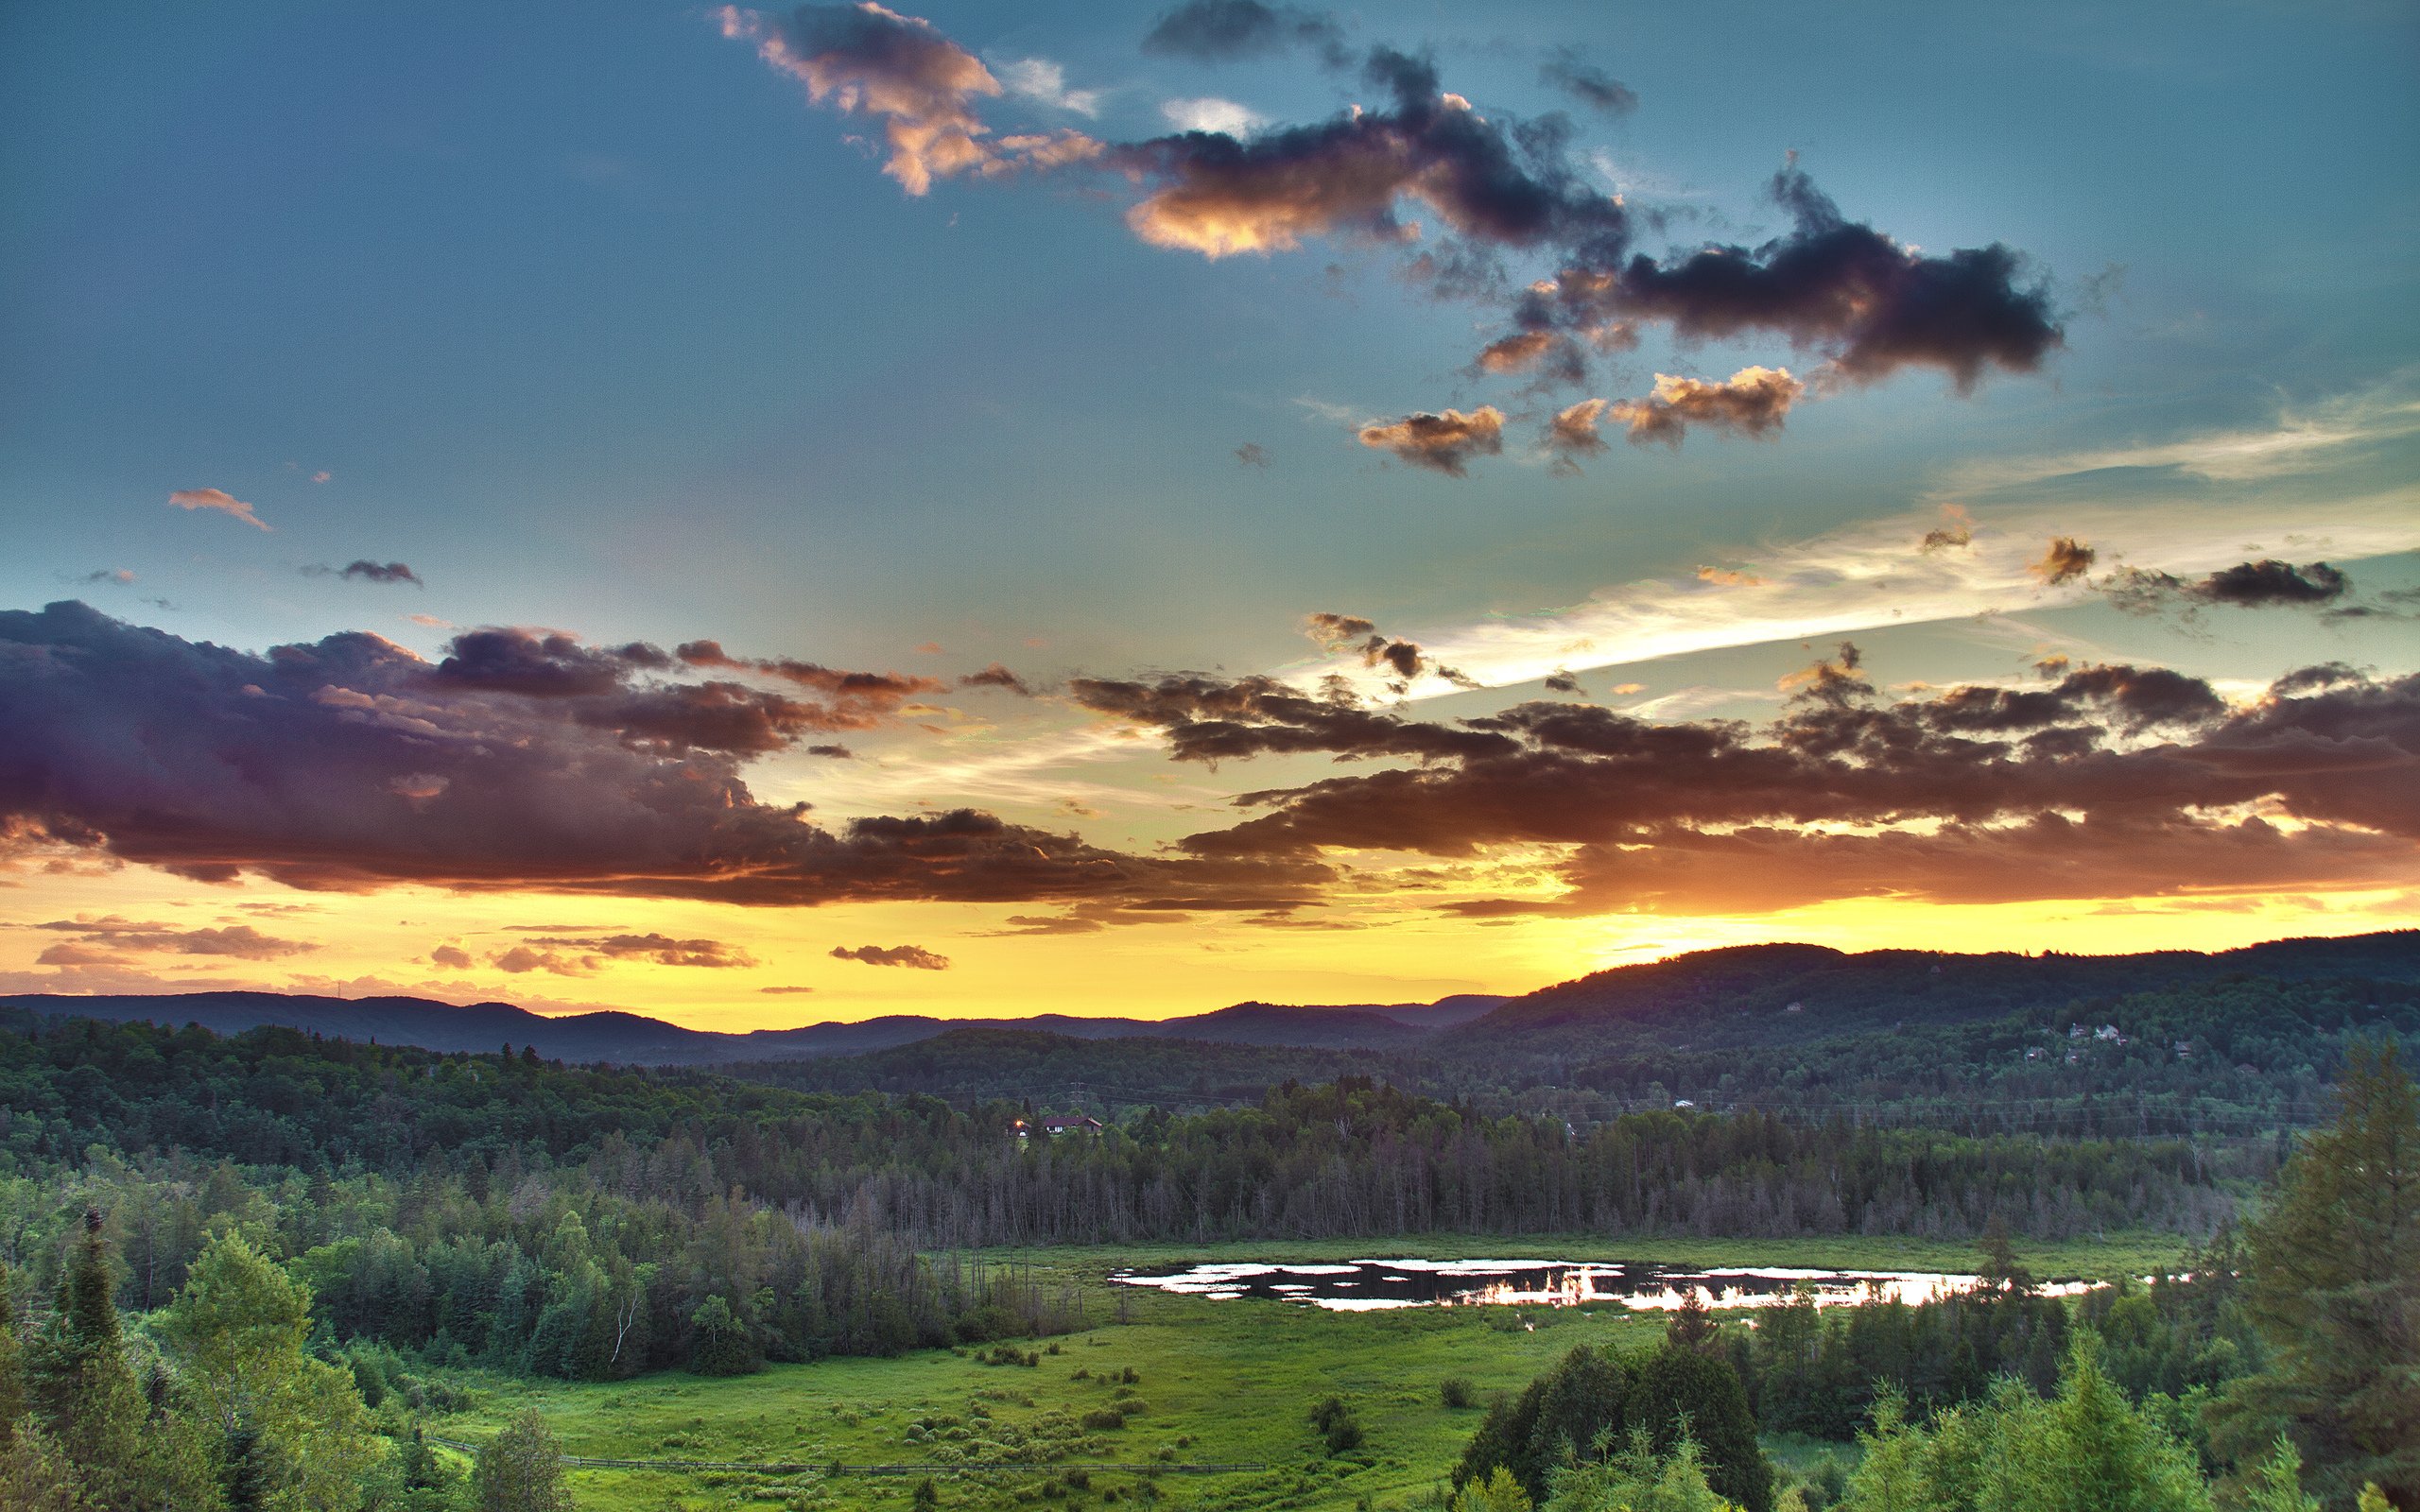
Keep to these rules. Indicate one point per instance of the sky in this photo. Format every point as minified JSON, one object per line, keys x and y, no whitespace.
{"x":760,"y":516}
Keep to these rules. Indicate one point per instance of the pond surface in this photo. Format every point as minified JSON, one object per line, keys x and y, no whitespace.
{"x":1367,"y":1286}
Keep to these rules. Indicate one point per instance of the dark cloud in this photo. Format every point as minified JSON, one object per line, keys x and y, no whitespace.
{"x":1752,"y":402}
{"x":925,"y":89}
{"x":721,"y":716}
{"x":1832,"y":681}
{"x":1954,"y":533}
{"x":111,"y":935}
{"x":350,"y":764}
{"x":1224,"y":30}
{"x":366,"y":571}
{"x":1462,"y":191}
{"x":1020,"y":924}
{"x":660,"y":949}
{"x":1442,"y":443}
{"x":2263,"y":584}
{"x":2064,"y":561}
{"x":1833,"y":285}
{"x":1495,"y":183}
{"x":538,"y":663}
{"x":108,"y":575}
{"x":453,"y":957}
{"x":785,"y":991}
{"x":1334,"y":632}
{"x":1586,"y":82}
{"x":854,"y":700}
{"x":1252,"y":453}
{"x":1213,"y":719}
{"x":915,"y":958}
{"x":996,"y":676}
{"x":1972,"y":793}
{"x":1562,"y":681}
{"x":1573,"y":432}
{"x":1553,"y":358}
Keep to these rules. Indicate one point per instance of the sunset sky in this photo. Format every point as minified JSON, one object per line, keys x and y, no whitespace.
{"x":762,"y":516}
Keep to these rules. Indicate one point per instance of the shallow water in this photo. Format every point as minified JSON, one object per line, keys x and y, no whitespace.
{"x":1366,"y":1285}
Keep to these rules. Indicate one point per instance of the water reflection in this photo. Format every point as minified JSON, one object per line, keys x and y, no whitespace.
{"x":1368,"y":1285}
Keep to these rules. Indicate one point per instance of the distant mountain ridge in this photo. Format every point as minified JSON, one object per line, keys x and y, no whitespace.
{"x":1757,"y":994}
{"x":631,"y":1039}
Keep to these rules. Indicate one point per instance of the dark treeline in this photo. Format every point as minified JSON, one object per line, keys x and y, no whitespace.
{"x":1823,"y":1372}
{"x":2228,"y":1056}
{"x":2237,"y":1056}
{"x":1345,"y":1160}
{"x":980,"y":1065}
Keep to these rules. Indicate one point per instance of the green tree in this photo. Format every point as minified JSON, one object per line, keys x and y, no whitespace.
{"x":1686,"y":1396}
{"x":116,"y":1447}
{"x":2277,"y":1484}
{"x":521,"y":1471}
{"x":2333,"y":1285}
{"x":12,"y":1366}
{"x":2085,"y":1450}
{"x":1496,"y":1492}
{"x":1638,"y":1480}
{"x":292,"y":1430}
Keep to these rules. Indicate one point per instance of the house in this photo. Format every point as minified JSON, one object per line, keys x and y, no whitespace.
{"x":2109,"y":1032}
{"x":2184,"y":1050}
{"x":1683,"y":1103}
{"x":1058,"y":1123}
{"x":1795,"y":1007}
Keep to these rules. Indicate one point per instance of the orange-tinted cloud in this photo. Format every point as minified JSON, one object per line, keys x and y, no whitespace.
{"x":2064,"y":561}
{"x":220,"y":501}
{"x":866,"y":60}
{"x":1752,"y":402}
{"x":1442,"y":442}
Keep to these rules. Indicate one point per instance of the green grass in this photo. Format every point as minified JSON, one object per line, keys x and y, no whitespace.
{"x":1223,"y":1382}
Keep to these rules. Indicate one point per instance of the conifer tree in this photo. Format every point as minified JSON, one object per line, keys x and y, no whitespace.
{"x":2334,"y":1288}
{"x":122,"y":1450}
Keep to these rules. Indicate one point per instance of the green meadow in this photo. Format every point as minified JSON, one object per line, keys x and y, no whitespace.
{"x":1186,"y":1380}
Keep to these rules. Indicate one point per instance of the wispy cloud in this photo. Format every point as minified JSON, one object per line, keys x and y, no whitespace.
{"x":1045,"y":82}
{"x":1210,"y":113}
{"x":220,"y":501}
{"x":2302,"y":439}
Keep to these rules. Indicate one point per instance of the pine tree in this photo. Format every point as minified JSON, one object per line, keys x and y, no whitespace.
{"x":2334,"y":1288}
{"x":123,"y":1450}
{"x":1692,"y":1326}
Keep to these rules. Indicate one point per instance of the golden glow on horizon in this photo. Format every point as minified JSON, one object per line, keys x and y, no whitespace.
{"x":366,"y":944}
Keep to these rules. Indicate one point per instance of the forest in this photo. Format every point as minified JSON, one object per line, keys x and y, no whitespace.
{"x":405,"y":1214}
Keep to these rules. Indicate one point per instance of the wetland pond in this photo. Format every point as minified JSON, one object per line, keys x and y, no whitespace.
{"x":1368,"y":1285}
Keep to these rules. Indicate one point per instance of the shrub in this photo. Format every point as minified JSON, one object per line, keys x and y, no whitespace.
{"x":1337,"y":1425}
{"x":1456,"y":1391}
{"x":1104,"y":1417}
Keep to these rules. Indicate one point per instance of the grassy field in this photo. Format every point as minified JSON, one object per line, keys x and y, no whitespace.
{"x":1213,"y":1381}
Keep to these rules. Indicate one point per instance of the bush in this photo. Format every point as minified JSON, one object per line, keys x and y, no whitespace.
{"x":1104,"y":1417}
{"x":1456,"y":1391}
{"x":1337,"y":1425}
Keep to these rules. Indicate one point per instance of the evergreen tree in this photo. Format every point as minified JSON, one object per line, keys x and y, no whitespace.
{"x":1684,"y":1396}
{"x":2334,"y":1288}
{"x":1692,"y":1326}
{"x":121,"y":1450}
